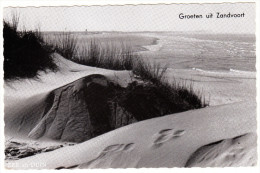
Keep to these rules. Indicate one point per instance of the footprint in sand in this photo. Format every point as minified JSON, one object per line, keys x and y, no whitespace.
{"x":165,"y":132}
{"x":119,"y":147}
{"x":167,"y":135}
{"x":116,"y":147}
{"x":129,"y":147}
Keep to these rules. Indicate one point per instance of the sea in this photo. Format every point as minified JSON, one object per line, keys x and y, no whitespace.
{"x":204,"y":51}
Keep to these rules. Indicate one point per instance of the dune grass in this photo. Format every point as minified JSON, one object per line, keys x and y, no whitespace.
{"x":150,"y":72}
{"x":157,"y":96}
{"x":107,"y":56}
{"x":94,"y":53}
{"x":25,"y":53}
{"x":146,"y":101}
{"x":180,"y":93}
{"x":65,"y":44}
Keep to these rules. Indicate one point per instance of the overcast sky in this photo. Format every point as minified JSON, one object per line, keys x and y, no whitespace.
{"x":137,"y":18}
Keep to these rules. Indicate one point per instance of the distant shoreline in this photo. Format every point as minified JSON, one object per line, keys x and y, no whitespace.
{"x":141,"y":32}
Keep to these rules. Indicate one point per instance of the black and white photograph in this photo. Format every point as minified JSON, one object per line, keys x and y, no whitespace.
{"x":129,"y":86}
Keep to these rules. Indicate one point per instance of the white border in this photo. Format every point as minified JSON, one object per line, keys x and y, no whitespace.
{"x":24,"y":3}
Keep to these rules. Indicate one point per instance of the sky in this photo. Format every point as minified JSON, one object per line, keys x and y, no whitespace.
{"x":137,"y":18}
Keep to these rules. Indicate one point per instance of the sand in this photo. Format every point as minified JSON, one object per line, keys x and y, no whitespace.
{"x":177,"y":140}
{"x":168,"y":141}
{"x":219,"y":88}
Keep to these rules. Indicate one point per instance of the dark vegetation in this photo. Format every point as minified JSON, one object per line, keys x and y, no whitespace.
{"x":25,"y":53}
{"x":149,"y":101}
{"x":155,"y":96}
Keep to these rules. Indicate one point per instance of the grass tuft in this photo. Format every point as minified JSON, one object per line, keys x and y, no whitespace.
{"x":65,"y":44}
{"x":107,"y":56}
{"x":25,"y":53}
{"x":150,"y":72}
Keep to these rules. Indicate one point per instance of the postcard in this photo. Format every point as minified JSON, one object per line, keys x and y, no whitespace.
{"x":142,"y":85}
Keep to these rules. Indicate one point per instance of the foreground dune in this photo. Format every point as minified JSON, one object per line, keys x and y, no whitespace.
{"x":40,"y":110}
{"x":169,"y":141}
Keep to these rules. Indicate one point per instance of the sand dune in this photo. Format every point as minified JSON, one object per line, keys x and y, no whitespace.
{"x":168,"y":141}
{"x":41,"y":110}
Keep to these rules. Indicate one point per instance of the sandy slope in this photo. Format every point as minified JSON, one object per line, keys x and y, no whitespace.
{"x":68,"y":72}
{"x":168,"y":141}
{"x":165,"y":142}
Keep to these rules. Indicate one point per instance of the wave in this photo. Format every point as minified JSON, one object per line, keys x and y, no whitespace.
{"x":230,"y":71}
{"x":205,"y":71}
{"x":198,"y":69}
{"x":240,"y":71}
{"x":155,"y":46}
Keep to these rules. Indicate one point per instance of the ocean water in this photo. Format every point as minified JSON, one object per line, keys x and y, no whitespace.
{"x":209,"y":52}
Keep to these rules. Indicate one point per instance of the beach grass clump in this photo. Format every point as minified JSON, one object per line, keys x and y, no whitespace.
{"x":94,"y":53}
{"x":107,"y":56}
{"x":25,"y":53}
{"x":182,"y":92}
{"x":150,"y":72}
{"x":65,"y":43}
{"x":156,"y":96}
